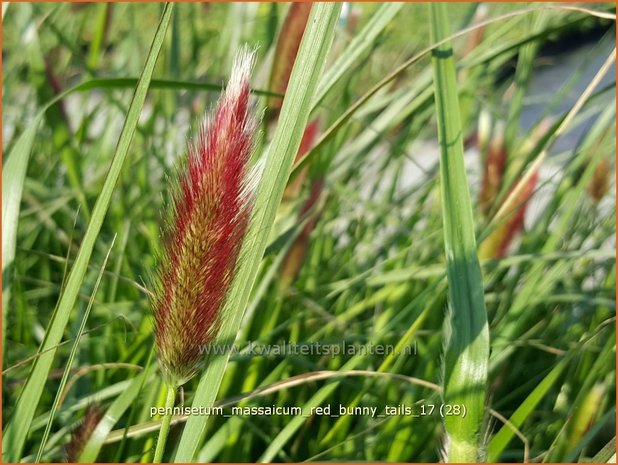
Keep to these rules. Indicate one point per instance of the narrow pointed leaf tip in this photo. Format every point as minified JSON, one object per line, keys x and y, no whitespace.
{"x":207,"y":219}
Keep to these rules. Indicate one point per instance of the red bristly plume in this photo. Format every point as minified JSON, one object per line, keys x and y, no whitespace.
{"x":207,"y":221}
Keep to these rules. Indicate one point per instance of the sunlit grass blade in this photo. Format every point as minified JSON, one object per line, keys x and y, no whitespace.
{"x":74,"y":348}
{"x":280,"y":155}
{"x":467,"y":334}
{"x":355,"y":49}
{"x":16,"y":432}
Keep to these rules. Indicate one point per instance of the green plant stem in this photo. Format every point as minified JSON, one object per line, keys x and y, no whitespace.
{"x":466,"y":342}
{"x":165,"y":424}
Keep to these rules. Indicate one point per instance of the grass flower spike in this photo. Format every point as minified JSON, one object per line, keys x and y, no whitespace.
{"x":497,"y":244}
{"x":493,"y":169}
{"x":206,"y":223}
{"x":82,"y":433}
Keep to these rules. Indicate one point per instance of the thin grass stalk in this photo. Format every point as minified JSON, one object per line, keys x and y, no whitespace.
{"x":170,"y":398}
{"x":466,"y":331}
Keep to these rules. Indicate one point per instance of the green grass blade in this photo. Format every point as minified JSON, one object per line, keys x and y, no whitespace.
{"x":17,"y":430}
{"x":336,"y":126}
{"x":467,"y":339}
{"x":499,"y":442}
{"x":307,"y":69}
{"x":360,"y":44}
{"x":319,"y":397}
{"x":69,"y":364}
{"x":173,"y":84}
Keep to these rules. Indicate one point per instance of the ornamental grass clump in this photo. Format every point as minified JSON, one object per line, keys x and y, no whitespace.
{"x":206,"y":222}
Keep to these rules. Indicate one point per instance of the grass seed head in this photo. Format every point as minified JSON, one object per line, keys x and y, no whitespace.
{"x":601,"y":177}
{"x":599,"y":185}
{"x":82,"y":433}
{"x":497,"y":244}
{"x":493,"y":169}
{"x":207,"y":221}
